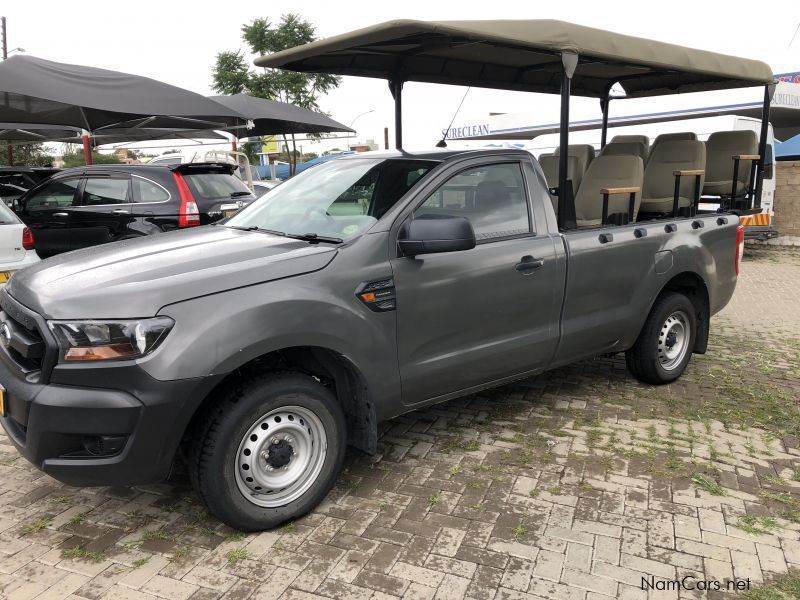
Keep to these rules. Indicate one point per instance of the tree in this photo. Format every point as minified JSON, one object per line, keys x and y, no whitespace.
{"x":27,"y":155}
{"x":76,"y":158}
{"x":232,"y":74}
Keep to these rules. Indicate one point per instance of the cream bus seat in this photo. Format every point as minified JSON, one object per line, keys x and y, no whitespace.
{"x":549,"y":164}
{"x":624,"y":139}
{"x":585,"y":153}
{"x":671,"y":137}
{"x":632,"y":148}
{"x":606,"y":172}
{"x":659,"y":178}
{"x":721,"y":147}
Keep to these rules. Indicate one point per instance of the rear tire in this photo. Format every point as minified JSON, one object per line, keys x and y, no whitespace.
{"x":665,"y":344}
{"x":269,"y":451}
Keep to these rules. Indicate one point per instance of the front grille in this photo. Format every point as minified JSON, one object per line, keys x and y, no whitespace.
{"x":21,"y":336}
{"x":24,"y":344}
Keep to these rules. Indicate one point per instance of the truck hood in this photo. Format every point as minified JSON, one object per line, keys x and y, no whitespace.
{"x":135,"y":278}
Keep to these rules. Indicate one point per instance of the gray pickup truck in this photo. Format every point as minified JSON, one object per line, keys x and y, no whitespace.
{"x":361,"y":289}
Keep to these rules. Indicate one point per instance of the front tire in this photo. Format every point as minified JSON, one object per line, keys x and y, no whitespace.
{"x":665,"y":344}
{"x":269,"y":451}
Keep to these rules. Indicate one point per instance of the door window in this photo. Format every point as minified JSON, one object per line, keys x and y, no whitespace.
{"x":58,"y":194}
{"x":102,"y":191}
{"x":492,"y":197}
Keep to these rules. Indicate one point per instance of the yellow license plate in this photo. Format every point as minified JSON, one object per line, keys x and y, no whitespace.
{"x":2,"y":401}
{"x":228,"y":213}
{"x":4,"y":275}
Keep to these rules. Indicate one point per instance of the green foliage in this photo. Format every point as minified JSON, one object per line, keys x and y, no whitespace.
{"x":75,"y":158}
{"x":232,"y":74}
{"x":27,"y":155}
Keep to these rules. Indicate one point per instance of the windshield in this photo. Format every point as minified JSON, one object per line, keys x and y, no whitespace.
{"x":337,"y":199}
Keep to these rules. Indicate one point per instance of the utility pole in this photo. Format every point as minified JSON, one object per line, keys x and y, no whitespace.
{"x":9,"y":149}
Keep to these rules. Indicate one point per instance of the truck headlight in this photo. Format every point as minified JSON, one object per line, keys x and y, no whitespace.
{"x":109,"y":339}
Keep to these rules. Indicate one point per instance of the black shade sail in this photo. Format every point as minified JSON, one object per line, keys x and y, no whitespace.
{"x":274,"y":118}
{"x":34,"y":90}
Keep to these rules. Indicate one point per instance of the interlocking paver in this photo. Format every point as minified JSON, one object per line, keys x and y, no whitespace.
{"x":577,"y":484}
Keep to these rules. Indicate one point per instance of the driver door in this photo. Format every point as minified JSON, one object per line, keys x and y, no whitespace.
{"x":472,"y":317}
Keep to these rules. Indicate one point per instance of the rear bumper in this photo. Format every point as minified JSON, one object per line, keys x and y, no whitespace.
{"x":57,"y":425}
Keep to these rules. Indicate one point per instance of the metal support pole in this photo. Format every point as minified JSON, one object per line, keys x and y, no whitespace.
{"x":87,"y":148}
{"x":396,"y":86}
{"x":604,"y":131}
{"x":769,"y":90}
{"x":233,"y":145}
{"x":568,"y":62}
{"x":9,"y":148}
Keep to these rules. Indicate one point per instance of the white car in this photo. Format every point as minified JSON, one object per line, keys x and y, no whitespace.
{"x":17,"y":248}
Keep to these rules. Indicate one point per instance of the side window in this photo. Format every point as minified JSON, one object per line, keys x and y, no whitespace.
{"x":106,"y":190}
{"x":145,"y":190}
{"x":57,"y":194}
{"x":492,"y":197}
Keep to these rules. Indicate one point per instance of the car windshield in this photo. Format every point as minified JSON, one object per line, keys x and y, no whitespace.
{"x":338,"y":199}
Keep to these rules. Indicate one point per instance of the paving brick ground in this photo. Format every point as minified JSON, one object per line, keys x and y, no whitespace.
{"x":573,"y":485}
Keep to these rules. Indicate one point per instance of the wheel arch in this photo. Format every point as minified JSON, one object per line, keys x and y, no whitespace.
{"x":330,"y":368}
{"x":694,"y":287}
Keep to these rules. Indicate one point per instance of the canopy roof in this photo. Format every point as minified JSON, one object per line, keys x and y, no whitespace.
{"x":272,"y":118}
{"x":33,"y":132}
{"x":520,"y":55}
{"x":34,"y":90}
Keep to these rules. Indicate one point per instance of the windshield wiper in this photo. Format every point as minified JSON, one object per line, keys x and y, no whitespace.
{"x":240,"y":228}
{"x":237,"y":194}
{"x":314,"y":238}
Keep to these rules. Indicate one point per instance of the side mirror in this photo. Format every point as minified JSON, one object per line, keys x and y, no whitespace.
{"x":430,"y":234}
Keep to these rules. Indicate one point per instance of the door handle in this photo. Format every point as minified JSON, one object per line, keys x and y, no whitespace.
{"x":119,"y":211}
{"x":60,"y":214}
{"x":529,"y":264}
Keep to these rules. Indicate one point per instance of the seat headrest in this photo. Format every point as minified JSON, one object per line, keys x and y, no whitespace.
{"x":678,"y":135}
{"x":584,"y":152}
{"x":618,"y":139}
{"x":678,"y":151}
{"x":737,"y":142}
{"x":607,"y":171}
{"x":549,"y":166}
{"x":633,"y":148}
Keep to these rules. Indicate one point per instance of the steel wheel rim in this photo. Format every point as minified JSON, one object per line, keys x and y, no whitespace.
{"x":293,"y":434}
{"x":673,"y":340}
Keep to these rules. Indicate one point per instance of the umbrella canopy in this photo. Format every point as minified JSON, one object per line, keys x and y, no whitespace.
{"x":34,"y":90}
{"x":38,"y":132}
{"x":273,"y":118}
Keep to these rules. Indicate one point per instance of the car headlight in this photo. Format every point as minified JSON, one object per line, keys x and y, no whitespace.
{"x":109,"y":339}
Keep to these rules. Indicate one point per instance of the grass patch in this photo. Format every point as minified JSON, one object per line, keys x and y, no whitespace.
{"x":156,"y":534}
{"x":79,"y":519}
{"x":434,"y":499}
{"x":773,"y":480}
{"x":455,"y":470}
{"x":81,"y":554}
{"x":239,"y":554}
{"x":35,"y":526}
{"x":709,"y":485}
{"x":757,"y":525}
{"x":289,"y":527}
{"x":140,"y":562}
{"x":518,"y":531}
{"x":784,"y":588}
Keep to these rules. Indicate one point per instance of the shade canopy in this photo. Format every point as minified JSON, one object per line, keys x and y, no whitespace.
{"x":145,"y":134}
{"x":34,"y":132}
{"x":34,"y":90}
{"x":274,"y":118}
{"x":520,"y":55}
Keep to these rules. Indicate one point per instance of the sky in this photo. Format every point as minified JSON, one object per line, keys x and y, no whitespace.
{"x":177,"y":41}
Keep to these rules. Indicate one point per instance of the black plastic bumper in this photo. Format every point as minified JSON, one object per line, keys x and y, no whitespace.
{"x":50,"y":424}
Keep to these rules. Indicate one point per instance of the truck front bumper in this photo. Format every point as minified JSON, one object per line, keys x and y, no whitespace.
{"x":99,"y":425}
